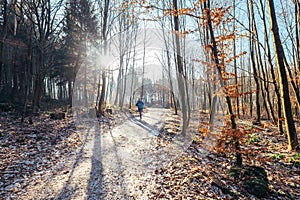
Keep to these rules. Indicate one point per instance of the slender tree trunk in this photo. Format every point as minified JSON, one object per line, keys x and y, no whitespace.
{"x":297,"y":66}
{"x":172,"y":95}
{"x":181,"y":78}
{"x":144,"y":60}
{"x":293,"y":83}
{"x":104,"y":37}
{"x":38,"y":81}
{"x":243,"y":99}
{"x":284,"y":88}
{"x":184,"y":64}
{"x":111,"y":88}
{"x":235,"y":66}
{"x":118,"y":85}
{"x":255,"y":74}
{"x":121,"y":57}
{"x":2,"y":36}
{"x":293,"y":80}
{"x":70,"y":90}
{"x":27,"y":77}
{"x":101,"y":103}
{"x":125,"y":80}
{"x":131,"y":87}
{"x":204,"y":96}
{"x":133,"y":70}
{"x":276,"y":88}
{"x":297,"y":18}
{"x":193,"y":88}
{"x":228,"y":101}
{"x":173,"y":99}
{"x":262,"y":82}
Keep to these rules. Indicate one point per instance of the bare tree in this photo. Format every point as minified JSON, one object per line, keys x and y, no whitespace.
{"x":42,"y":15}
{"x":104,"y":32}
{"x":219,"y":71}
{"x":284,"y":88}
{"x":180,"y":75}
{"x":269,"y":58}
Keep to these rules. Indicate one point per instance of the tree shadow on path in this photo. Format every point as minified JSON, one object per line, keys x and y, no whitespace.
{"x":64,"y":194}
{"x":100,"y":185}
{"x":94,"y":187}
{"x":152,"y":129}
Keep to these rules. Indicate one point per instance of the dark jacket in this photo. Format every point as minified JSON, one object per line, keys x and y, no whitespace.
{"x":139,"y":104}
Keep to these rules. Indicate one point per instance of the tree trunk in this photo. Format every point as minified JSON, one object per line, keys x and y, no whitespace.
{"x":27,"y":78}
{"x":293,"y":84}
{"x":228,"y":101}
{"x":38,"y":81}
{"x":2,"y":37}
{"x":104,"y":37}
{"x":255,"y":74}
{"x":283,"y":81}
{"x":297,"y":18}
{"x":180,"y":75}
{"x":276,"y":88}
{"x":144,"y":59}
{"x":262,"y":82}
{"x":235,"y":66}
{"x":131,"y":98}
{"x":172,"y":95}
{"x":101,"y":100}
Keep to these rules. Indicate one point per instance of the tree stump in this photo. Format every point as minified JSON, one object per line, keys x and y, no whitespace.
{"x":58,"y":115}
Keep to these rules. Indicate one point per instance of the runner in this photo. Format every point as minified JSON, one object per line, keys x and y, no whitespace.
{"x":140,"y":106}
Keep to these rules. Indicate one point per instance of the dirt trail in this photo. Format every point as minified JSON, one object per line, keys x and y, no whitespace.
{"x":127,"y":156}
{"x":113,"y":165}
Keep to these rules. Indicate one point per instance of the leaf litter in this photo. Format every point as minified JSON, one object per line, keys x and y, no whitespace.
{"x":31,"y":154}
{"x":198,"y":175}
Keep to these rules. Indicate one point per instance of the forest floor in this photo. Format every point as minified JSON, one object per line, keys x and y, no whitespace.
{"x":126,"y":158}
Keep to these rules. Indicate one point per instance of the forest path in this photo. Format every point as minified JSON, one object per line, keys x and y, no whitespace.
{"x":111,"y":165}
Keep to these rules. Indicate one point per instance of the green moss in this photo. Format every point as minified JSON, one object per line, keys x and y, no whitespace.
{"x":253,"y":138}
{"x":276,"y":156}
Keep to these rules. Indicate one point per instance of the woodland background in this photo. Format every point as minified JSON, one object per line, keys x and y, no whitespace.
{"x":245,"y":79}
